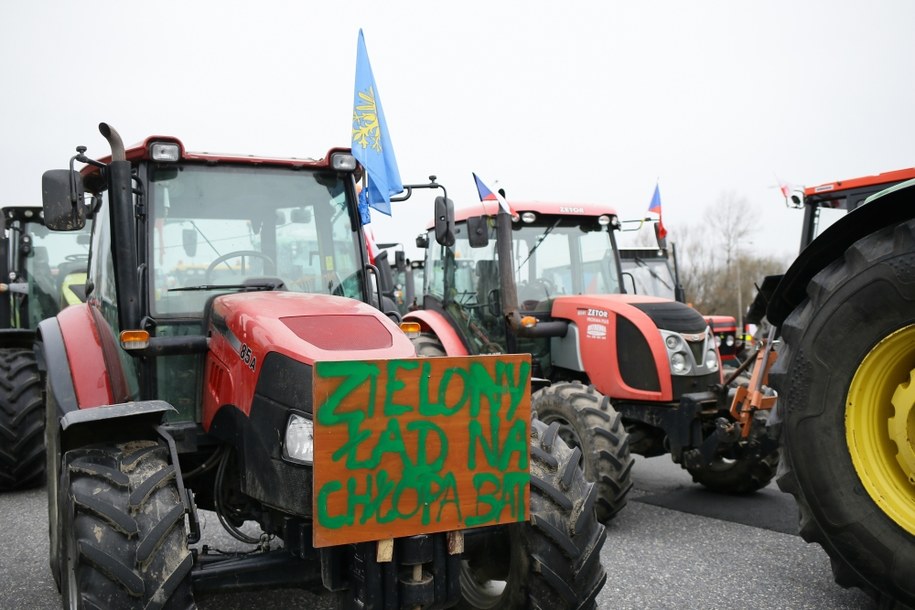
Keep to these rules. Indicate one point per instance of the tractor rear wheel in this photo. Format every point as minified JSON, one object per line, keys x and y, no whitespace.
{"x":589,"y":422}
{"x":427,"y":344}
{"x":22,"y":458}
{"x":123,"y":537}
{"x":847,"y":402}
{"x":551,"y":561}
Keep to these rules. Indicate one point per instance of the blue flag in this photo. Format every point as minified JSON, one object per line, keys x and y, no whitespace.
{"x":371,"y":140}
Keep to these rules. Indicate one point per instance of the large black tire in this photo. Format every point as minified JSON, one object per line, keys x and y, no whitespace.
{"x":847,"y":450}
{"x":552,"y":561}
{"x":427,"y":344}
{"x":123,"y":537}
{"x":22,"y":459}
{"x":589,"y":422}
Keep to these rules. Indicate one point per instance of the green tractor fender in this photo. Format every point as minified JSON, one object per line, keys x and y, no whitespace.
{"x":889,"y":207}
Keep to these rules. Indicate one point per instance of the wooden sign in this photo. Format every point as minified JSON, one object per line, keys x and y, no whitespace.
{"x":420,"y":445}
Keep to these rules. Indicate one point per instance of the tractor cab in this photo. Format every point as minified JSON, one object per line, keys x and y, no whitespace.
{"x":553,"y":253}
{"x":44,"y":271}
{"x":208,"y":225}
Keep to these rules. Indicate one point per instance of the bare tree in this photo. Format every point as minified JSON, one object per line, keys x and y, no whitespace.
{"x":719,"y":268}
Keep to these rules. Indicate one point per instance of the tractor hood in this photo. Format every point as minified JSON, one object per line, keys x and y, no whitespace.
{"x":663,"y":313}
{"x":307,"y":327}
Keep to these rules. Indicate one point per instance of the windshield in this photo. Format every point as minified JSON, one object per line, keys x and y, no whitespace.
{"x":651,"y":273}
{"x":553,"y":256}
{"x":216,"y":229}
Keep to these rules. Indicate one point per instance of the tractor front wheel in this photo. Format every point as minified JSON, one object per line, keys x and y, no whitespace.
{"x":847,"y":403}
{"x":589,"y":422}
{"x":123,"y":537}
{"x":553,"y":560}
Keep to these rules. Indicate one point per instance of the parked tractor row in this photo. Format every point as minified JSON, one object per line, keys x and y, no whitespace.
{"x":233,"y":349}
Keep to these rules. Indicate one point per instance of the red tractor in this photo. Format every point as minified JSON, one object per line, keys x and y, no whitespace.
{"x":228,"y":358}
{"x":845,"y":310}
{"x":624,"y":372}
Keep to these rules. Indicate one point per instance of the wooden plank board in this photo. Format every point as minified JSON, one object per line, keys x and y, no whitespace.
{"x":420,"y":445}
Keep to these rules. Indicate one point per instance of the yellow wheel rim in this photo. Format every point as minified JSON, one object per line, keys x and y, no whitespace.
{"x":880,"y":425}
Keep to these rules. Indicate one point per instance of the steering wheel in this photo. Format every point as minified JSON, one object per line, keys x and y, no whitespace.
{"x":547,"y":286}
{"x":234,"y":254}
{"x":77,"y":258}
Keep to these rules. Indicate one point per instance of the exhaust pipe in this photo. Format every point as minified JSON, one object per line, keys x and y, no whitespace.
{"x":114,"y":141}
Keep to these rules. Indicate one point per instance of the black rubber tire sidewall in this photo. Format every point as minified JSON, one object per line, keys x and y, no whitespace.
{"x":154,"y":557}
{"x":603,"y":439}
{"x":555,"y":556}
{"x":22,"y":456}
{"x":852,"y":304}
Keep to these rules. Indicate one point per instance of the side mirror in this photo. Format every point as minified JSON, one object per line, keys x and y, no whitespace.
{"x":444,"y":221}
{"x":301,"y":215}
{"x":400,"y":260}
{"x":189,"y":241}
{"x":422,"y":241}
{"x":631,"y":278}
{"x":679,"y":293}
{"x":62,"y":198}
{"x":477,"y":232}
{"x":662,"y":241}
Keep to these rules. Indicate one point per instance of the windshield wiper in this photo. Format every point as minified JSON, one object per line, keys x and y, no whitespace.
{"x":539,"y":241}
{"x":651,"y":271}
{"x":252,"y":286}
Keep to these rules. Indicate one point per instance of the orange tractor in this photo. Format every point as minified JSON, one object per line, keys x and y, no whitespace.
{"x":619,"y":372}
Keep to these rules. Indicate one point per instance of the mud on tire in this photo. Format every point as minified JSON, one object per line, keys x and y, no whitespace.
{"x":551,"y":562}
{"x":854,"y":308}
{"x":22,"y":457}
{"x":124,"y":542}
{"x":589,"y":422}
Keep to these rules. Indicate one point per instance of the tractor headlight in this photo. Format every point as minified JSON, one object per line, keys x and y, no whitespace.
{"x":679,"y":364}
{"x":672,"y":342}
{"x":711,"y":360}
{"x":299,"y":445}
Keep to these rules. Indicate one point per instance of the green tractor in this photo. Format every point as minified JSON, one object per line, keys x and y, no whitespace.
{"x":42,"y":272}
{"x":845,"y":310}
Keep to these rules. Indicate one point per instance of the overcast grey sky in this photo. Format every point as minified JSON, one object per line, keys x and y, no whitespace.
{"x":555,"y":101}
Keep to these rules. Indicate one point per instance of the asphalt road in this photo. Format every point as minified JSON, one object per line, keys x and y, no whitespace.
{"x":674,"y":546}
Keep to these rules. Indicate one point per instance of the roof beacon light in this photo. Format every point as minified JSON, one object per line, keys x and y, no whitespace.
{"x":165,"y":152}
{"x":343,"y":162}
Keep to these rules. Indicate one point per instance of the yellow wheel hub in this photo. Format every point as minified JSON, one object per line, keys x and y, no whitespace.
{"x":880,"y":425}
